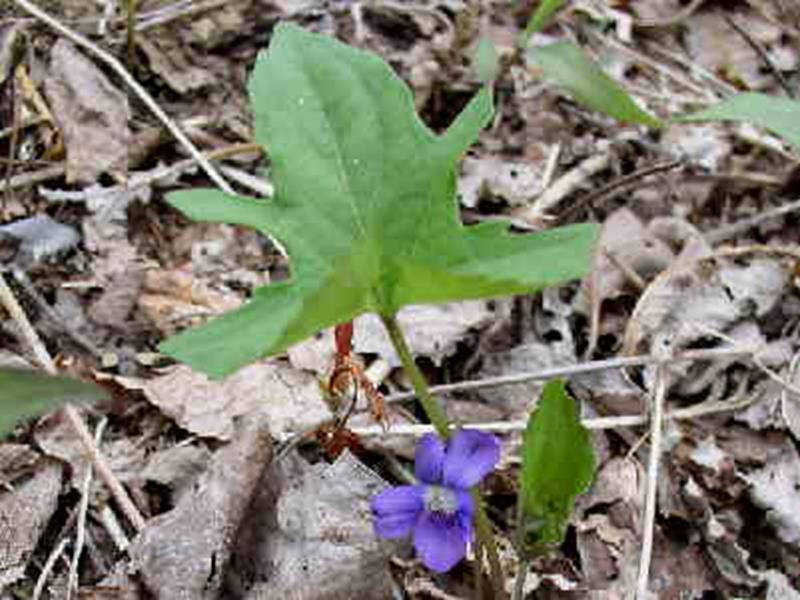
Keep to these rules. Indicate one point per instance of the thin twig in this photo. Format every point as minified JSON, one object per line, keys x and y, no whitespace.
{"x":762,"y":54}
{"x":83,"y":509}
{"x":144,"y":96}
{"x":178,"y":10}
{"x":596,"y":423}
{"x":617,"y":186}
{"x":562,"y":187}
{"x":728,"y":231}
{"x":24,"y":179}
{"x":651,"y":491}
{"x":52,"y":314}
{"x":48,"y":568}
{"x":98,"y":461}
{"x":677,"y":19}
{"x":587,"y":367}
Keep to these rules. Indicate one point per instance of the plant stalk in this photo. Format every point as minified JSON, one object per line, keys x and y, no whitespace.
{"x":430,"y":405}
{"x":438,"y":418}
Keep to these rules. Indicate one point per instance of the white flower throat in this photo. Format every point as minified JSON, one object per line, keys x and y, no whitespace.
{"x":441,"y":500}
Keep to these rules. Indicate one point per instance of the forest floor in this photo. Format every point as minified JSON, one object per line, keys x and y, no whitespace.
{"x":698,"y":256}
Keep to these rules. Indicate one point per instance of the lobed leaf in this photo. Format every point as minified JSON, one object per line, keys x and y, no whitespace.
{"x":25,"y":393}
{"x":567,"y":65}
{"x":364,"y":205}
{"x":557,"y":465}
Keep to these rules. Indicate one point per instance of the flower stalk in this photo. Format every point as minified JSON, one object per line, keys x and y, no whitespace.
{"x":438,"y":417}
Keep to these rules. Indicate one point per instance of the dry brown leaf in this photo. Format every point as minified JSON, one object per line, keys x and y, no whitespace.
{"x":24,"y":514}
{"x":774,"y":488}
{"x":715,"y":45}
{"x":625,"y":243}
{"x":91,"y":113}
{"x":289,"y":399}
{"x":432,"y":331}
{"x":185,"y":552}
{"x":516,"y":183}
{"x":699,"y":295}
{"x":16,"y":461}
{"x":57,"y":439}
{"x":310,"y":535}
{"x":173,"y":299}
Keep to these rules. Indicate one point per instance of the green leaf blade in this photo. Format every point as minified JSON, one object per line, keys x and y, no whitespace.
{"x":557,"y":465}
{"x":781,"y":116}
{"x":25,"y":393}
{"x":567,"y":65}
{"x":364,"y":205}
{"x":544,"y":12}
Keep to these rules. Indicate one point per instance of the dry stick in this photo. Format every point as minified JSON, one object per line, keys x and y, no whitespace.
{"x":762,"y":54}
{"x":617,"y":186}
{"x":83,"y":509}
{"x":562,"y":187}
{"x":728,"y":231}
{"x":649,"y":518}
{"x":35,"y":177}
{"x":9,"y":301}
{"x":587,"y":367}
{"x":597,"y":423}
{"x":145,"y":97}
{"x":178,"y":10}
{"x":676,"y":19}
{"x":48,"y":568}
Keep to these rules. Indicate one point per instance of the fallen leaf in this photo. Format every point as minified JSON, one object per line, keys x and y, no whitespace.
{"x":24,"y":514}
{"x":185,"y":553}
{"x":774,"y":488}
{"x":310,"y":536}
{"x":290,"y":400}
{"x":91,"y":113}
{"x":432,"y":331}
{"x":513,"y":182}
{"x":624,"y":242}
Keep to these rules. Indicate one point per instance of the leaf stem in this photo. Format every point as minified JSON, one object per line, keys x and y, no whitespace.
{"x":438,"y":418}
{"x":430,"y":405}
{"x":522,"y":576}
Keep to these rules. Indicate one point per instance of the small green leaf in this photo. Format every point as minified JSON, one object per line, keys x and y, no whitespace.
{"x":557,"y":465}
{"x":545,"y":10}
{"x":365,"y":206}
{"x":487,"y":61}
{"x":25,"y":393}
{"x":779,"y":115}
{"x":567,"y":65}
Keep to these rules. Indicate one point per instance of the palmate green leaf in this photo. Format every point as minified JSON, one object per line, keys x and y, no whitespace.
{"x":781,"y":116}
{"x":557,"y":465}
{"x":25,"y":393}
{"x":567,"y":65}
{"x":364,"y":206}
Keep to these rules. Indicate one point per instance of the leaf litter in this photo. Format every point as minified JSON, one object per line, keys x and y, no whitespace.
{"x":727,"y":522}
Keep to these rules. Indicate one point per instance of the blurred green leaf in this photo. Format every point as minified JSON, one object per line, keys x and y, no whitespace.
{"x":487,"y":61}
{"x":25,"y":393}
{"x":781,"y":116}
{"x":545,"y":10}
{"x":567,"y":65}
{"x":557,"y":465}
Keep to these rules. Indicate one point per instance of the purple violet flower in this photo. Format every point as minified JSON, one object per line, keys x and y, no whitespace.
{"x":439,"y":510}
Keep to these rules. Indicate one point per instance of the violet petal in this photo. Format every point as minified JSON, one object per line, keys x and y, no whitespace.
{"x":470,"y":456}
{"x":397,"y":510}
{"x":429,"y":460}
{"x":440,"y":542}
